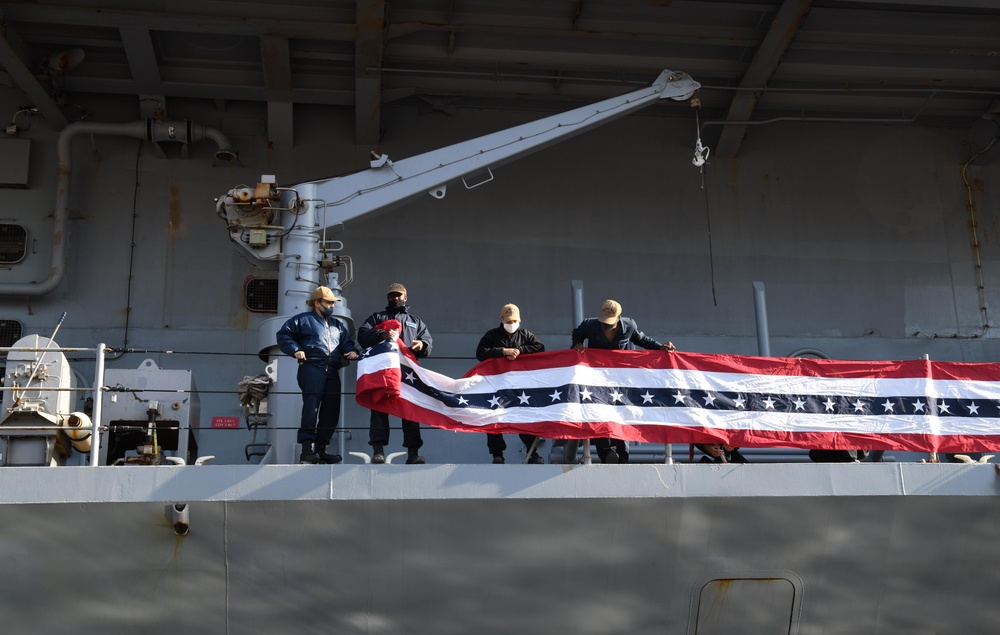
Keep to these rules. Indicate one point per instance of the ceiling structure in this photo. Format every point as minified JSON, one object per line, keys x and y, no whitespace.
{"x":933,"y":62}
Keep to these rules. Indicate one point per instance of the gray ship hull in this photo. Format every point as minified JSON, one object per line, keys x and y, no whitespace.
{"x":886,"y":548}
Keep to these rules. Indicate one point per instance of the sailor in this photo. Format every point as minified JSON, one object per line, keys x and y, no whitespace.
{"x":414,"y":334}
{"x":611,"y":330}
{"x":720,"y":453}
{"x":321,"y":344}
{"x":509,"y":341}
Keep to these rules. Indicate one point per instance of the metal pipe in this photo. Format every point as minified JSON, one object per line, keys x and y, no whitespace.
{"x":145,"y":130}
{"x":571,"y":446}
{"x":95,"y":435}
{"x":970,"y":207}
{"x":760,"y":312}
{"x":577,"y":286}
{"x":301,"y":249}
{"x":803,"y":118}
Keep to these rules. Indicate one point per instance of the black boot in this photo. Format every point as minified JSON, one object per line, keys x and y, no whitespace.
{"x":308,"y":455}
{"x":378,"y":453}
{"x":412,"y":458}
{"x":327,"y":458}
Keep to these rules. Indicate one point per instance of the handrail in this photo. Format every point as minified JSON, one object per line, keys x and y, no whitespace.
{"x":95,"y":419}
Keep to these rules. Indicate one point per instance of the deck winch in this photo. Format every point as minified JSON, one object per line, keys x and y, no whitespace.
{"x":148,"y":414}
{"x":39,"y":425}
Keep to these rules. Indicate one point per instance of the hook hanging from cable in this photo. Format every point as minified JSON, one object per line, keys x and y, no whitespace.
{"x":701,"y":152}
{"x":700,"y":159}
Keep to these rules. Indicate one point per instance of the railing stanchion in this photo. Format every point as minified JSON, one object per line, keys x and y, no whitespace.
{"x":95,"y":435}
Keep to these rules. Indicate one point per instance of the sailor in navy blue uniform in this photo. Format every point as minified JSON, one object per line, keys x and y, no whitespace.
{"x":414,"y":334}
{"x":321,"y":344}
{"x":611,"y":330}
{"x":509,"y":340}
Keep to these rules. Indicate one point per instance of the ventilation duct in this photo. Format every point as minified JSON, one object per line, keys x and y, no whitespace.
{"x":147,"y":130}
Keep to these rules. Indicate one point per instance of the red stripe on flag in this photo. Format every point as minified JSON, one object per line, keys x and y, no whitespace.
{"x":790,"y":366}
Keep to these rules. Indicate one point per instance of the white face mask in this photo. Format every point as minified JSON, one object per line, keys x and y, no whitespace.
{"x":511,"y":327}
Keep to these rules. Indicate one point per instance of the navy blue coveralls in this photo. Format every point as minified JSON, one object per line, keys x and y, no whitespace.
{"x":324,"y":341}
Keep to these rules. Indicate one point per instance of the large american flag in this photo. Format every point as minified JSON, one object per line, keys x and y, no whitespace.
{"x":660,"y":397}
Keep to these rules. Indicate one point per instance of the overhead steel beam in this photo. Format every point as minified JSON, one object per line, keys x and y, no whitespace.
{"x":944,"y":4}
{"x":210,"y":91}
{"x":142,"y":61}
{"x":711,"y":35}
{"x":783,"y":29}
{"x":277,"y":62}
{"x":36,"y":92}
{"x":368,"y":48}
{"x":48,"y":14}
{"x":280,"y":124}
{"x":611,"y":64}
{"x":144,"y":66}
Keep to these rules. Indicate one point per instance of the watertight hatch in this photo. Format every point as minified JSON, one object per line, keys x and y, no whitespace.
{"x":762,"y":603}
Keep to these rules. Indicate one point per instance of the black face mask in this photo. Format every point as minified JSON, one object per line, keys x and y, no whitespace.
{"x":396,"y":304}
{"x":327,"y":311}
{"x":609,"y":327}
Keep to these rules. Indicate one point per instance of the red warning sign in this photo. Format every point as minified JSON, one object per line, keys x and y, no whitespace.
{"x":225,"y":422}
